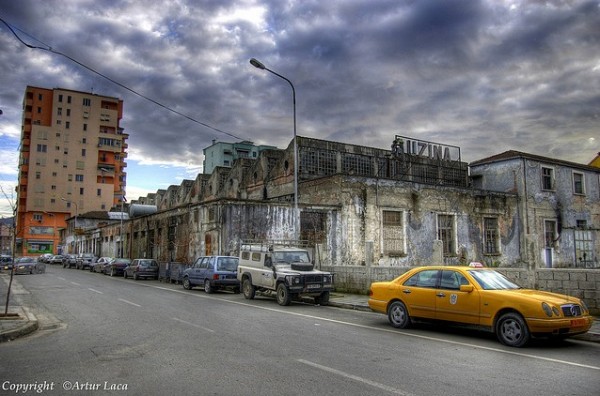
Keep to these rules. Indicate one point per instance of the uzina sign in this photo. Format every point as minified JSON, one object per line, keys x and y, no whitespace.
{"x":420,"y":148}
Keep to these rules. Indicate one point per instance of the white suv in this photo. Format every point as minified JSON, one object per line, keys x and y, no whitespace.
{"x":283,"y":268}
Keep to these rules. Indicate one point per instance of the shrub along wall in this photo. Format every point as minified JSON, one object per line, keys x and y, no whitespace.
{"x":581,"y":283}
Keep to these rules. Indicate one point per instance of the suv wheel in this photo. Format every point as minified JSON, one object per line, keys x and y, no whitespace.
{"x":187,"y":284}
{"x":207,"y":287}
{"x":323,"y":299}
{"x":283,"y":295}
{"x":248,"y":288}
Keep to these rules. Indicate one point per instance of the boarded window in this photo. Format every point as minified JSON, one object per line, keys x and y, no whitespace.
{"x":393,"y":233}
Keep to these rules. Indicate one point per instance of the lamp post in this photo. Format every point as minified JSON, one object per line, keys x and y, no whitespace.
{"x":256,"y":63}
{"x":75,"y":228}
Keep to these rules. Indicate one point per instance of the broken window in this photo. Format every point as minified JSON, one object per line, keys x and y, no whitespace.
{"x":584,"y":245}
{"x":547,"y":178}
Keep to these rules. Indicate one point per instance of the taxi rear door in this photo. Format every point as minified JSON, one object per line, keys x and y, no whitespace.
{"x":419,"y":294}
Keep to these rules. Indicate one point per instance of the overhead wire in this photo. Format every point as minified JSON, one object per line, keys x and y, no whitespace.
{"x":50,"y":49}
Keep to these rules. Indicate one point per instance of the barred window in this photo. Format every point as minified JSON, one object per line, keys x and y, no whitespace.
{"x":393,"y":233}
{"x":446,"y":234}
{"x":490,"y":236}
{"x":357,"y":165}
{"x":317,"y":162}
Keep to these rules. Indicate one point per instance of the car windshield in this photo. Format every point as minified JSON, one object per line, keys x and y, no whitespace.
{"x":291,"y":257}
{"x":492,"y":280}
{"x":148,"y":263}
{"x":227,"y":264}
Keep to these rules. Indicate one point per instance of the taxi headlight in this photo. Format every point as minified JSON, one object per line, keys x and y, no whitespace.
{"x":547,"y":309}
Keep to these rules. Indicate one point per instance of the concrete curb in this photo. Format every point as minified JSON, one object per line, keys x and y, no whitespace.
{"x":27,"y":328}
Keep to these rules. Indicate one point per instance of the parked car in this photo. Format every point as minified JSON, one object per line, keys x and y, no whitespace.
{"x":69,"y":260}
{"x":6,"y":262}
{"x":56,"y":259}
{"x":141,"y":268}
{"x":28,"y":265}
{"x":85,"y":260}
{"x":213,"y":273}
{"x":45,"y":257}
{"x":479,"y":297}
{"x":98,"y":266}
{"x":116,"y":266}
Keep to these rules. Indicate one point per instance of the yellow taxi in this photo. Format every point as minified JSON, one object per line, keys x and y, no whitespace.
{"x":479,"y":297}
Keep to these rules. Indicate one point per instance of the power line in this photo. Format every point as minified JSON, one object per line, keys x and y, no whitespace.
{"x":49,"y":49}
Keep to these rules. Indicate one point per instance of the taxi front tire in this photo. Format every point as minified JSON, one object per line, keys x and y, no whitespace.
{"x":511,"y":330}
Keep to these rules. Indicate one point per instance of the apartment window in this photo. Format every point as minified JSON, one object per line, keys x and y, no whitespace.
{"x":67,"y":125}
{"x":42,"y":148}
{"x":56,"y":161}
{"x":393,"y":232}
{"x":39,"y":110}
{"x":446,"y":234}
{"x":99,"y":192}
{"x":58,"y":122}
{"x":83,"y":152}
{"x":54,"y":174}
{"x":68,"y":99}
{"x":547,"y":179}
{"x":68,"y":112}
{"x":79,"y":178}
{"x":70,"y":178}
{"x":87,"y":102}
{"x":84,"y":140}
{"x":40,"y":96}
{"x":37,"y":217}
{"x":578,"y":183}
{"x":491,"y":238}
{"x":60,"y":98}
{"x":53,"y":187}
{"x":38,"y":175}
{"x":81,"y":190}
{"x":59,"y":111}
{"x":84,"y":127}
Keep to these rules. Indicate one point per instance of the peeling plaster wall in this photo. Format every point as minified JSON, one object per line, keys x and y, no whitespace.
{"x":559,"y":205}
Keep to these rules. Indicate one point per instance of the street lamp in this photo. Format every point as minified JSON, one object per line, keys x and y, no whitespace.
{"x":76,"y":212}
{"x":256,"y":63}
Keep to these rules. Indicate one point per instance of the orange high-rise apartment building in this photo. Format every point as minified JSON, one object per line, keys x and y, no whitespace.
{"x":72,"y":161}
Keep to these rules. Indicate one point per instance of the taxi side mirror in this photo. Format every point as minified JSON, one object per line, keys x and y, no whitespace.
{"x":466,"y":288}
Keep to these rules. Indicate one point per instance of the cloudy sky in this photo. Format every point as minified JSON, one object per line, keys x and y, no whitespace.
{"x":485,"y":75}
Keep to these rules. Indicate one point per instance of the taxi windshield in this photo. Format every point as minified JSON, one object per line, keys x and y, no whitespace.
{"x":492,"y":280}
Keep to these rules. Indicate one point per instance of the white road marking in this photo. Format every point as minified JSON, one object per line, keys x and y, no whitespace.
{"x":76,"y":284}
{"x":356,"y":378}
{"x":129,"y":302}
{"x":95,"y":291}
{"x":192,"y":324}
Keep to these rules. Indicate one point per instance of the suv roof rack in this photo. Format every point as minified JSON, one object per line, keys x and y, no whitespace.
{"x":268,"y":244}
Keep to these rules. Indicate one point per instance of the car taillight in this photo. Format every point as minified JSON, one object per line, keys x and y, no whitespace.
{"x":215,"y":276}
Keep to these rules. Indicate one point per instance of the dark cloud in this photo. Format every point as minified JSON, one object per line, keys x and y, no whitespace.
{"x":485,"y":75}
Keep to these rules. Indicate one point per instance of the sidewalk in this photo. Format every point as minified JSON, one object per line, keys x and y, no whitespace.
{"x":19,"y":321}
{"x":26,"y":322}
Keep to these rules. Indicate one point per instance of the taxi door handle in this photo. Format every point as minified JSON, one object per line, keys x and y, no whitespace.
{"x":406,"y":291}
{"x":440,"y":294}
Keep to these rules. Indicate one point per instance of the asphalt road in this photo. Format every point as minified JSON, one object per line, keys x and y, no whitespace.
{"x":103,"y":335}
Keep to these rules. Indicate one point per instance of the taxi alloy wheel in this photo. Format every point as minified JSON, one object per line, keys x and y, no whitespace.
{"x":398,"y":315}
{"x":512,"y":330}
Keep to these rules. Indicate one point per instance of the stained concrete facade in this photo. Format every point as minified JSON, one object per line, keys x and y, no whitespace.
{"x":358,"y":205}
{"x":559,"y":206}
